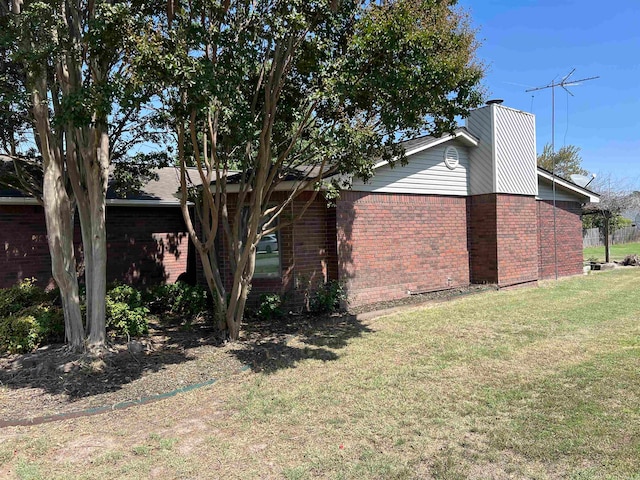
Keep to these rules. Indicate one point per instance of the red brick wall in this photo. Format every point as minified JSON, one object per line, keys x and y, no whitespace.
{"x":569,"y":237}
{"x":503,"y":239}
{"x":389,"y":244}
{"x":23,"y":239}
{"x":517,"y":239}
{"x":483,"y":246}
{"x":144,"y":245}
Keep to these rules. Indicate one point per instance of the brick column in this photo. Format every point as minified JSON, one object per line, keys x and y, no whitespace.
{"x":503,"y":239}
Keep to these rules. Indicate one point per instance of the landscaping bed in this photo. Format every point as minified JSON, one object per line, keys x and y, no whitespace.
{"x":52,"y":380}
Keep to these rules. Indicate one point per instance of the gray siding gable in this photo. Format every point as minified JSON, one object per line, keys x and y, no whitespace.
{"x":425,"y":173}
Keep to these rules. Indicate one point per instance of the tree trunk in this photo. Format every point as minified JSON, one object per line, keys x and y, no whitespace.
{"x":607,"y":250}
{"x":240,"y":291}
{"x":59,"y":219}
{"x":97,"y":292}
{"x":59,"y":213}
{"x":87,"y":252}
{"x":97,"y":281}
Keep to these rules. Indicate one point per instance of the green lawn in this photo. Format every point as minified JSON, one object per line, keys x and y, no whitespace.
{"x":536,"y":383}
{"x":618,"y":252}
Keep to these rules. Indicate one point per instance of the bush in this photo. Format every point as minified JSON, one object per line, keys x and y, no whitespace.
{"x":19,"y":333}
{"x":125,"y":313}
{"x":177,"y":298}
{"x":328,"y":298}
{"x":22,"y":295}
{"x":270,"y":306}
{"x":28,"y":318}
{"x":126,"y":294}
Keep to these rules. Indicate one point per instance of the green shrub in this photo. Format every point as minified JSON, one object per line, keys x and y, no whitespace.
{"x":328,"y":298}
{"x":125,"y":313}
{"x":125,"y":294}
{"x":270,"y":306}
{"x":177,"y":298}
{"x":32,"y":326}
{"x":124,"y":320}
{"x":22,"y":295}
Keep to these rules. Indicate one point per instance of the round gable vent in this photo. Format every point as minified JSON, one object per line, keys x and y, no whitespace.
{"x":451,"y":157}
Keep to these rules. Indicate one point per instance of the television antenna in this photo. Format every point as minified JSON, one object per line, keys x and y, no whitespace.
{"x":564,"y":83}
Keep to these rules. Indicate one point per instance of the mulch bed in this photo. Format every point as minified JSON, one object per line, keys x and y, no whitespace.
{"x":416,"y":299}
{"x":52,"y":380}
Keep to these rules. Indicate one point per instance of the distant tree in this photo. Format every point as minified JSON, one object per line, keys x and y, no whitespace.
{"x":564,"y":163}
{"x":615,"y":197}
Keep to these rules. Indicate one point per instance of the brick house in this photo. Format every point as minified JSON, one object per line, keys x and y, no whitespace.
{"x":147,"y":242}
{"x":467,"y":208}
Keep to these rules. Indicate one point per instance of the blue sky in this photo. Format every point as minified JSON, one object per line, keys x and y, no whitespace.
{"x":529,"y":43}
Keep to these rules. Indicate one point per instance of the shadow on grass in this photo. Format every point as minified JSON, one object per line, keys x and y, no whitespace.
{"x":57,"y":371}
{"x":278,"y":344}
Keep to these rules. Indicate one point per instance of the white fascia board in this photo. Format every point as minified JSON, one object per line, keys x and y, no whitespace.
{"x":467,"y":138}
{"x":592,"y":198}
{"x":116,"y":202}
{"x":18,"y":201}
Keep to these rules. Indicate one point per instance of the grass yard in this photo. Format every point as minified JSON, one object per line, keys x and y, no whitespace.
{"x":531,"y":383}
{"x":618,"y":252}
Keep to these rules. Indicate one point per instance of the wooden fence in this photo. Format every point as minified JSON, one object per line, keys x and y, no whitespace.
{"x":592,"y":237}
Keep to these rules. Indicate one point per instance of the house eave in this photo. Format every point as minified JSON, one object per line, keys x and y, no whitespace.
{"x":590,"y":197}
{"x":116,"y":202}
{"x":459,"y":134}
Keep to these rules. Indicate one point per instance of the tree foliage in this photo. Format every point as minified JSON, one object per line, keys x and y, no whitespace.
{"x":564,"y":163}
{"x":306,"y":92}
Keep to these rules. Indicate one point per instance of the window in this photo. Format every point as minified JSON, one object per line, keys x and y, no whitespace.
{"x":267,"y":252}
{"x":268,"y":257}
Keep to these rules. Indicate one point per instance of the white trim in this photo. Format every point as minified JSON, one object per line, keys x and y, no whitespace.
{"x":284,"y":186}
{"x":18,"y":201}
{"x":122,"y":202}
{"x":535,"y":149}
{"x":592,"y":197}
{"x":463,"y":135}
{"x":494,"y":145}
{"x":116,"y":202}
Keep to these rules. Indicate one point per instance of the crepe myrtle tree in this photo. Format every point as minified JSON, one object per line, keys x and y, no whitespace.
{"x":305,"y":92}
{"x":68,"y":93}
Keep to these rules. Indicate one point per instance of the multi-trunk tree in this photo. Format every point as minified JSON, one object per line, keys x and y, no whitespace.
{"x":270,"y":99}
{"x":73,"y":92}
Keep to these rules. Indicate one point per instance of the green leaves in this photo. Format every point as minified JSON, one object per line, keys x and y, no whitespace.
{"x":368,"y":74}
{"x":564,"y":162}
